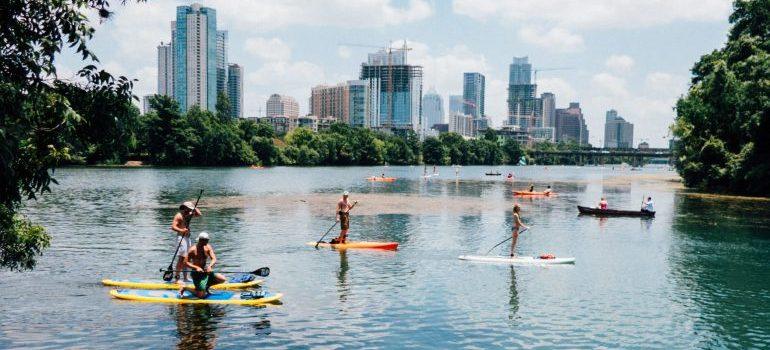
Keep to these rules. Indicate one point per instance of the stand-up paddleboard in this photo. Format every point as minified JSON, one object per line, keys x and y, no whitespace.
{"x":219,"y":297}
{"x":358,"y":245}
{"x":149,"y":284}
{"x":524,"y":260}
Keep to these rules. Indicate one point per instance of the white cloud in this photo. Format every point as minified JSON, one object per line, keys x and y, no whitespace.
{"x":609,"y":85}
{"x":554,"y":39}
{"x":563,"y":91}
{"x":270,"y":14}
{"x":594,"y":13}
{"x":268,"y":49}
{"x":282,"y":77}
{"x":619,"y":63}
{"x":343,"y":52}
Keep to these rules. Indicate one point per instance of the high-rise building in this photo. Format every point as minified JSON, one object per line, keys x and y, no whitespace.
{"x":358,"y":102}
{"x":548,"y":109}
{"x":165,"y":70}
{"x":331,"y":101}
{"x":399,"y":88}
{"x":473,"y":94}
{"x":195,"y":53}
{"x":522,"y":103}
{"x":432,"y":109}
{"x":618,"y":133}
{"x":222,"y":67}
{"x":280,"y":105}
{"x":570,"y":124}
{"x":146,"y":107}
{"x":235,"y":90}
{"x":462,"y":124}
{"x":455,"y":104}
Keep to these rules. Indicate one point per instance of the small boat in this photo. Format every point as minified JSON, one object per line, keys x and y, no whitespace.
{"x":613,"y":212}
{"x":380,"y":179}
{"x":518,"y":260}
{"x":528,"y":193}
{"x":492,"y":173}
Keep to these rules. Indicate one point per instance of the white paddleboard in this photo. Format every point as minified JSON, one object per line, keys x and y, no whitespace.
{"x":524,"y":260}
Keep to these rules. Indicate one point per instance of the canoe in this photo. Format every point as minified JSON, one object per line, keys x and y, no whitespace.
{"x":380,"y":179}
{"x":523,"y":260}
{"x":168,"y":296}
{"x":492,"y":174}
{"x":528,"y":193}
{"x":613,"y":212}
{"x":149,"y":284}
{"x":358,"y":245}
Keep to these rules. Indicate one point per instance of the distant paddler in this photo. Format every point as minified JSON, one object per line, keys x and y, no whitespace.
{"x":648,"y":205}
{"x":603,"y":204}
{"x":547,"y":191}
{"x":181,"y":225}
{"x":343,"y":217}
{"x":518,"y":227}
{"x":202,"y":274}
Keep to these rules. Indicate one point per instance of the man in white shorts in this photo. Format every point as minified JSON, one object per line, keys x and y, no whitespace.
{"x":181,"y":225}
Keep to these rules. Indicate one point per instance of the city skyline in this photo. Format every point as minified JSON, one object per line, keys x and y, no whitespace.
{"x":640,"y":68}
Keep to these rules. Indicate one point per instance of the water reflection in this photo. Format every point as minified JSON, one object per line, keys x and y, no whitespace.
{"x":197,"y":325}
{"x":513,"y":300}
{"x":343,"y":289}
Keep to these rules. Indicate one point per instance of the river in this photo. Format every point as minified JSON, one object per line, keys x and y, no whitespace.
{"x":695,"y":276}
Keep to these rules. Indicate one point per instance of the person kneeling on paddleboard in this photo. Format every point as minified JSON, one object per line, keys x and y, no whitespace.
{"x":518,"y":226}
{"x":203,"y":275}
{"x":343,"y":217}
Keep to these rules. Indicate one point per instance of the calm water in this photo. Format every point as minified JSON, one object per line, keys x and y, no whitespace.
{"x":696,"y":276}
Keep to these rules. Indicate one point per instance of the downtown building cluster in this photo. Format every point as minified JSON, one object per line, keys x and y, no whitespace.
{"x":193,"y":68}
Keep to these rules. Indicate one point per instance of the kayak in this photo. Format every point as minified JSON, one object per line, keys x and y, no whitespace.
{"x":167,"y":296}
{"x":358,"y":245}
{"x":613,"y":212}
{"x":528,"y":193}
{"x":524,"y":260}
{"x":148,"y":284}
{"x":381,"y":179}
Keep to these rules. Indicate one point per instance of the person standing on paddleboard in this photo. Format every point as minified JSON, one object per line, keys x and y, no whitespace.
{"x":343,"y":217}
{"x":648,"y":205}
{"x":517,"y":227}
{"x":203,"y":275}
{"x":181,"y":225}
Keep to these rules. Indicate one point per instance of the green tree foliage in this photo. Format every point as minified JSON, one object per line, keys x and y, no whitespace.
{"x":723,"y":122}
{"x":512,"y":151}
{"x":434,"y":152}
{"x":39,"y":117}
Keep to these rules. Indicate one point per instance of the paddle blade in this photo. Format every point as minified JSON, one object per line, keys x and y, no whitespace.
{"x":168,"y":275}
{"x":262,"y":272}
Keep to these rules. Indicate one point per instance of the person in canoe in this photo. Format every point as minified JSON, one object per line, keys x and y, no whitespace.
{"x":547,"y":190}
{"x":517,"y":227}
{"x":648,"y":205}
{"x":343,"y":217}
{"x":181,"y":225}
{"x":203,"y":275}
{"x":603,"y":204}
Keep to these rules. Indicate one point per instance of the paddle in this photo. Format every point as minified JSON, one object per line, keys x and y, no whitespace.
{"x":169,"y":274}
{"x":506,"y":240}
{"x":335,"y":224}
{"x":261,"y":272}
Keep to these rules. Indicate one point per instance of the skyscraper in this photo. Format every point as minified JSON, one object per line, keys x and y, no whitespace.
{"x":222,"y":87}
{"x":280,"y":105}
{"x":548,"y":110}
{"x":473,"y":94}
{"x":522,"y":103}
{"x":359,"y":100}
{"x":399,"y":86}
{"x":195,"y":52}
{"x":618,"y":133}
{"x":432,"y":109}
{"x":235,"y":90}
{"x":570,"y":125}
{"x":455,"y":104}
{"x":165,"y":70}
{"x":347,"y":102}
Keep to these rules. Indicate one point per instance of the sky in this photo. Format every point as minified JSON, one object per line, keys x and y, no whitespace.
{"x":633,"y":56}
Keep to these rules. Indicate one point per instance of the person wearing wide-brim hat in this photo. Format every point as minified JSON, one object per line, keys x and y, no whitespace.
{"x":181,"y":225}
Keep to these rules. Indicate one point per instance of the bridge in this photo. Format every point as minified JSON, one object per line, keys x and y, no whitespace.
{"x":602,"y":155}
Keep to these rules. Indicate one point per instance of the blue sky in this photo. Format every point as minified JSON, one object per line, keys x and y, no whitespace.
{"x":630,"y":55}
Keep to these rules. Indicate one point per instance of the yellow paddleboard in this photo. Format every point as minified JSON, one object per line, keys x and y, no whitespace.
{"x":167,"y":296}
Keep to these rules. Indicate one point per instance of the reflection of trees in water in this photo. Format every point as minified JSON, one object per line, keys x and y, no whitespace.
{"x":718,"y":262}
{"x":197,"y":325}
{"x":513,"y":301}
{"x":342,"y":284}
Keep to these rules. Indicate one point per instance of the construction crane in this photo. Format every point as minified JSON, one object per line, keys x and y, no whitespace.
{"x":548,"y":70}
{"x":389,"y":50}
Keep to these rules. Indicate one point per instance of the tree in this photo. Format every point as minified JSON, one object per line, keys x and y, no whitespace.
{"x":35,"y":112}
{"x":723,"y":122}
{"x":512,"y":151}
{"x":434,"y":152}
{"x":456,"y":146}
